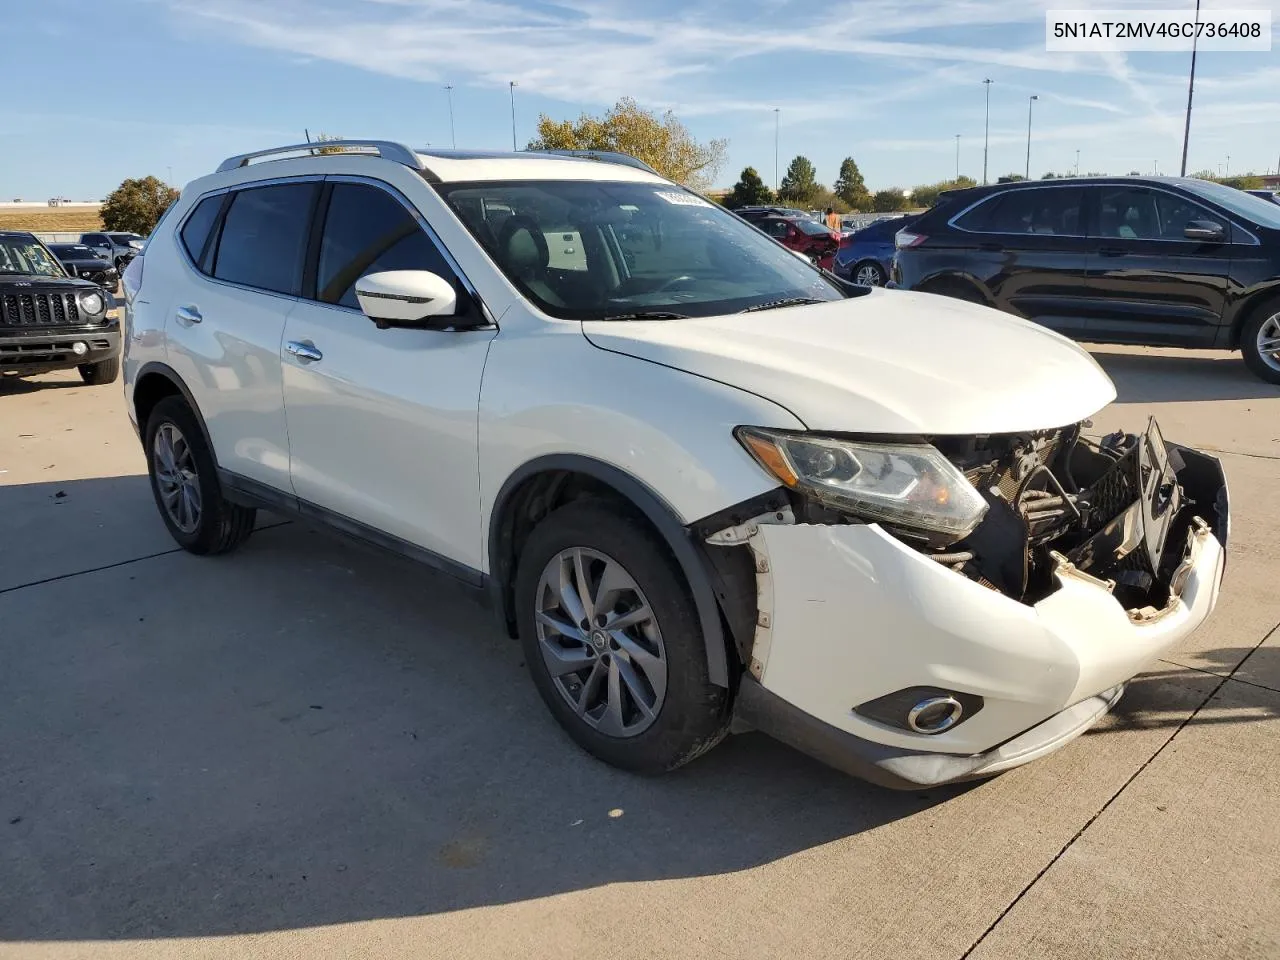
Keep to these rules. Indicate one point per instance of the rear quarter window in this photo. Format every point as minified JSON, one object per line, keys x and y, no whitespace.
{"x":195,"y":232}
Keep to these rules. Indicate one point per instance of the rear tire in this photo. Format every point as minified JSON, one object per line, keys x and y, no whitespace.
{"x":102,"y":372}
{"x":868,"y":273}
{"x":1261,"y":330}
{"x":668,"y":711}
{"x":184,"y":481}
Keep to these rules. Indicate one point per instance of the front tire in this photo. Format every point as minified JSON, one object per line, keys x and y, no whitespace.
{"x":102,"y":372}
{"x":184,"y":481}
{"x":612,"y":639}
{"x":1260,"y":342}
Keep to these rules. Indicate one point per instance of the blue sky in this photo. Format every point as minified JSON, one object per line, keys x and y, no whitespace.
{"x":170,"y":87}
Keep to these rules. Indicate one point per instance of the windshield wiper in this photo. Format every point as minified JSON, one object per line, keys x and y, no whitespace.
{"x":648,"y":315}
{"x":775,"y":304}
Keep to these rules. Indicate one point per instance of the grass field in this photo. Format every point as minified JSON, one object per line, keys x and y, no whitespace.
{"x":50,"y":220}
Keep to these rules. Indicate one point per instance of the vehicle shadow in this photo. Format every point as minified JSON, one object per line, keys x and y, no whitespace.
{"x":19,"y":385}
{"x":305,"y":733}
{"x":1165,"y":376}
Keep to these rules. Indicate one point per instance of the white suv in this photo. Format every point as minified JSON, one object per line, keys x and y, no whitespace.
{"x":699,"y":478}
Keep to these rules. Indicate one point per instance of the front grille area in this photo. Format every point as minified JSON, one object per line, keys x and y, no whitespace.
{"x":39,"y":310}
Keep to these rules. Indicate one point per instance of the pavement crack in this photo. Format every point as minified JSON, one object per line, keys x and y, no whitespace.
{"x":112,"y":566}
{"x":1222,"y":682}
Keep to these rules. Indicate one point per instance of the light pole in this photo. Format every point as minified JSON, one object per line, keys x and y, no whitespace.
{"x":777,"y":126}
{"x":1191,"y":89}
{"x":986,"y":131}
{"x":511,"y":85}
{"x":1030,"y":100}
{"x":1228,"y":171}
{"x":1077,"y":163}
{"x":957,"y":156}
{"x":448,"y":92}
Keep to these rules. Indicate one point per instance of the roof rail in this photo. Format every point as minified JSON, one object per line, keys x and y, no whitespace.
{"x":382,"y":148}
{"x":604,"y":156}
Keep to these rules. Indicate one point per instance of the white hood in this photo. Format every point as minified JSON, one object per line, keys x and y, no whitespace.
{"x":887,"y":362}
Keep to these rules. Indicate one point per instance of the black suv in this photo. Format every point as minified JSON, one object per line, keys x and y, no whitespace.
{"x":49,"y":320}
{"x":1150,"y":260}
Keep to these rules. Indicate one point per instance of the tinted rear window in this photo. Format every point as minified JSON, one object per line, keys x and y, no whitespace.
{"x":263,"y":236}
{"x":195,"y":232}
{"x":1052,"y":211}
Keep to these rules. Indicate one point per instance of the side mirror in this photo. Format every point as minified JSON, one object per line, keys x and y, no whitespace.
{"x":407,"y":298}
{"x":1205,"y":231}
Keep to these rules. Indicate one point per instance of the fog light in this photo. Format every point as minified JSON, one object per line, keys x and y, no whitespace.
{"x":79,"y":348}
{"x":935,"y":714}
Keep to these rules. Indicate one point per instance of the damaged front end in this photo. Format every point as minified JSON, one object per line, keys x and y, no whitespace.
{"x":1124,"y":511}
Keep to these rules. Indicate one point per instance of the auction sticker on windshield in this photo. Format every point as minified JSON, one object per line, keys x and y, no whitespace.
{"x":683,"y":199}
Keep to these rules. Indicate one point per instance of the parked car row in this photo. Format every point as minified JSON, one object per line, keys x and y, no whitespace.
{"x":1156,"y":261}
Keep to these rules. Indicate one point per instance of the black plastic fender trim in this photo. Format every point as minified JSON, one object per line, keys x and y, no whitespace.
{"x":679,"y":539}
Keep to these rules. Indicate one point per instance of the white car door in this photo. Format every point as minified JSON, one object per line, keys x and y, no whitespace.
{"x":382,"y":423}
{"x":226,"y":323}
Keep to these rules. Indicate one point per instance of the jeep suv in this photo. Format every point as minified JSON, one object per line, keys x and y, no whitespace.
{"x":697,"y":477}
{"x":50,"y":320}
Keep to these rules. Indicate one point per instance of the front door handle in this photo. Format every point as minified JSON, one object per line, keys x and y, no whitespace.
{"x":188,"y":315}
{"x":304,"y":350}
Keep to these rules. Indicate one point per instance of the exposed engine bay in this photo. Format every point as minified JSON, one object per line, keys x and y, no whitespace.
{"x":1118,"y":509}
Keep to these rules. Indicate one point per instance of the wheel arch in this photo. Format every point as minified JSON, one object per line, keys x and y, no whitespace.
{"x":1261,"y":300}
{"x":539,"y":486}
{"x":154,"y":382}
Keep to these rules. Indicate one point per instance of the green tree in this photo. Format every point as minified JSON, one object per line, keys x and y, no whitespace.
{"x":1049,"y":176}
{"x":800,"y":184}
{"x":137,"y":205}
{"x":926,"y":194}
{"x":664,"y":143}
{"x":1011,"y":178}
{"x":1138,"y":173}
{"x":748,"y":191}
{"x":888,"y":201}
{"x":850,"y":187}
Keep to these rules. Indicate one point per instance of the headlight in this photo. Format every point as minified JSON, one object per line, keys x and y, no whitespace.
{"x":92,"y":303}
{"x":912,"y":485}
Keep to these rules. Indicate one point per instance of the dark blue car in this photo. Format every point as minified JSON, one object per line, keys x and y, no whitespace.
{"x":866,"y":257}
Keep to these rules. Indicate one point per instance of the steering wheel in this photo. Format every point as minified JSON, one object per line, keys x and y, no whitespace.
{"x":673,"y":281}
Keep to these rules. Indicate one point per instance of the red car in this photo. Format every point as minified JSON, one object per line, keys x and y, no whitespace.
{"x":806,"y":236}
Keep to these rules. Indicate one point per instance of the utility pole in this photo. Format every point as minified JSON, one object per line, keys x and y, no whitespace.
{"x":1030,"y":100}
{"x":986,"y":131}
{"x":1228,"y":173}
{"x":957,"y":156}
{"x":511,"y":85}
{"x":307,"y":134}
{"x":777,"y":126}
{"x":1077,"y":163}
{"x":1191,"y":89}
{"x":448,"y":92}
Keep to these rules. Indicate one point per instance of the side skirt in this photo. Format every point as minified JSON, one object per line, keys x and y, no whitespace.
{"x":253,"y":493}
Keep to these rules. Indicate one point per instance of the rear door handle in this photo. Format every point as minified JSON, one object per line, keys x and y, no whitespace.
{"x":304,"y":350}
{"x":188,"y":315}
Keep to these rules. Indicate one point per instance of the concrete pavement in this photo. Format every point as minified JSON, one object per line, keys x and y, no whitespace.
{"x":304,"y":749}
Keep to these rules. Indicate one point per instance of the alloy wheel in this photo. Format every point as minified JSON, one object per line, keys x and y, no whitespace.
{"x":1269,"y":341}
{"x":175,"y":470}
{"x":868,"y":275}
{"x":600,"y":642}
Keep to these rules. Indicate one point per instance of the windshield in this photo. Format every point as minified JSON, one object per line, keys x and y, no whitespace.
{"x":587,"y":250}
{"x":1255,"y":209}
{"x":28,"y":258}
{"x":72,"y":250}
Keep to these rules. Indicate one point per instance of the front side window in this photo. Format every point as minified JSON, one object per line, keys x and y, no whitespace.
{"x":1050,"y":211}
{"x":367,"y":230}
{"x":26,"y":257}
{"x":263,"y":236}
{"x":1138,"y":213}
{"x":638,"y":248}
